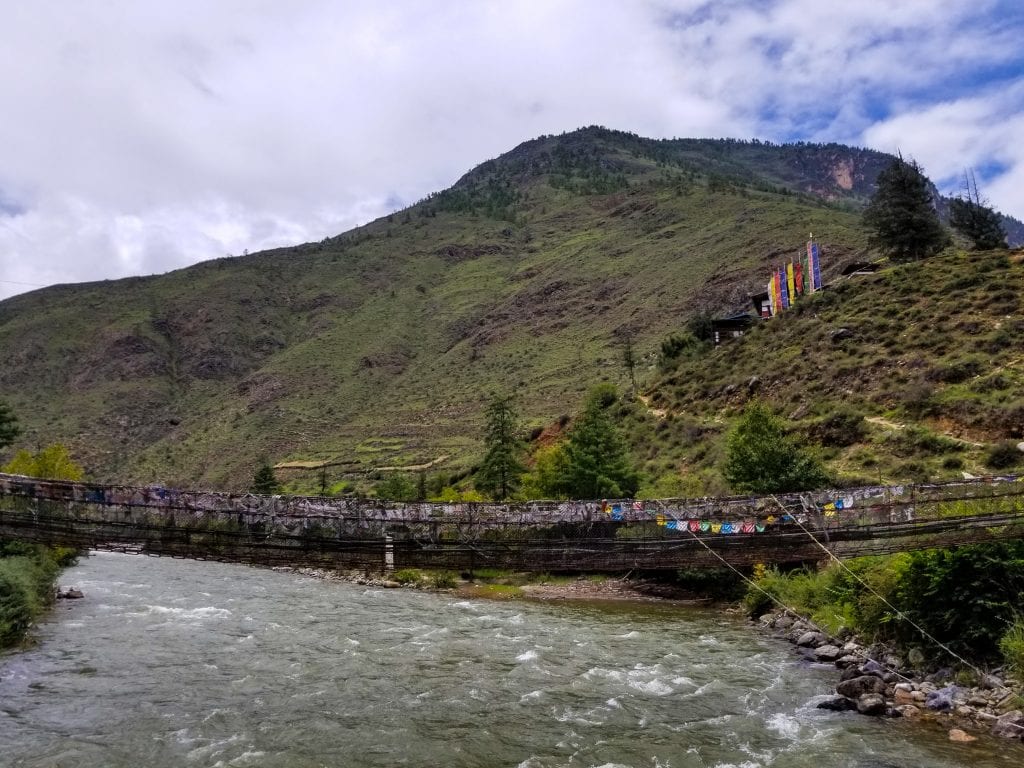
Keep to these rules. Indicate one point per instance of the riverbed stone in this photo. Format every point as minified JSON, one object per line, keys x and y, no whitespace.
{"x":837,"y":704}
{"x":907,"y":710}
{"x":942,"y":699}
{"x":872,"y":667}
{"x":808,"y":639}
{"x":1009,"y":725}
{"x":991,"y":683}
{"x":845,"y":662}
{"x":903,"y":697}
{"x":956,"y":734}
{"x":783,"y":622}
{"x":871,"y":704}
{"x":860,"y":686}
{"x":827,"y":653}
{"x":915,"y":657}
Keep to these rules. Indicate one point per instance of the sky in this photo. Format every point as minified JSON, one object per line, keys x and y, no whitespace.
{"x":142,"y":136}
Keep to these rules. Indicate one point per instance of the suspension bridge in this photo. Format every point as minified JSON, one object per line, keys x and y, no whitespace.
{"x":555,"y":536}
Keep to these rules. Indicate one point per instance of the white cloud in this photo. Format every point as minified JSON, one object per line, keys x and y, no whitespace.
{"x":140,"y":137}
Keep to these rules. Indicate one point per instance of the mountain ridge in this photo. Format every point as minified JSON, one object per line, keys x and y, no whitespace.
{"x":381,"y":345}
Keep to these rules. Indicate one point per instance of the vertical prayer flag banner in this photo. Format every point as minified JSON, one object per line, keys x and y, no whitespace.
{"x":790,"y":282}
{"x":813,"y":266}
{"x":785,"y":291}
{"x":771,"y":298}
{"x":798,"y":278}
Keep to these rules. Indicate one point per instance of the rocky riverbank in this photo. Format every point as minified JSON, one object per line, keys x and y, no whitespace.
{"x":876,"y":681}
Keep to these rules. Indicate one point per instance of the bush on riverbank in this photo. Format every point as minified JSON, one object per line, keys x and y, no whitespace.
{"x":964,"y":597}
{"x":27,"y":573}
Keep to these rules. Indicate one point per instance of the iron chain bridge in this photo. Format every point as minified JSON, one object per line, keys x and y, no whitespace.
{"x":543,"y":536}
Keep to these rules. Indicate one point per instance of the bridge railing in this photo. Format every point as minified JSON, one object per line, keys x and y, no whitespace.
{"x":543,"y":535}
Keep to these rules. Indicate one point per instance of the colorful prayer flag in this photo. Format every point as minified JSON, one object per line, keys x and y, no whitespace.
{"x":790,"y":282}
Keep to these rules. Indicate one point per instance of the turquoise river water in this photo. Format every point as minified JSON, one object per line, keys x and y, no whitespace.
{"x":176,"y":663}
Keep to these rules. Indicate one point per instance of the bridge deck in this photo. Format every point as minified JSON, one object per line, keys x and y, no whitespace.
{"x":536,"y":536}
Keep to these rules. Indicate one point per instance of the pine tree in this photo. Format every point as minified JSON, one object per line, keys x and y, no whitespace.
{"x":597,"y":461}
{"x":762,"y":458}
{"x":9,"y":429}
{"x":501,"y":470}
{"x":264,"y":481}
{"x":978,"y":223}
{"x":902,"y":216}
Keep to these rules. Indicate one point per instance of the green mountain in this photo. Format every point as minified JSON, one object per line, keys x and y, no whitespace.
{"x":380,"y":346}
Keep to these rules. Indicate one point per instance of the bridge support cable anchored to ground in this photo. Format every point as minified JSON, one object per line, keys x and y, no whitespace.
{"x":752,"y":583}
{"x":896,"y":611}
{"x":616,"y":535}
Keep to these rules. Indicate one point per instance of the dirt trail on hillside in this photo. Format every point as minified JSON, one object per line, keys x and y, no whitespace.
{"x":883,"y":422}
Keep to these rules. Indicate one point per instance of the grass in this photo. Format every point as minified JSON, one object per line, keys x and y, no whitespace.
{"x":27,"y":573}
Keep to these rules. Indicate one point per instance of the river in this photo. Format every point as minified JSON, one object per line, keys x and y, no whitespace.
{"x":176,"y":663}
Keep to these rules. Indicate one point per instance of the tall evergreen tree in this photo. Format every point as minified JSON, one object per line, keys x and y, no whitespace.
{"x":9,"y":429}
{"x":901,"y":215}
{"x":762,"y":458}
{"x":264,"y":481}
{"x":597,"y":461}
{"x":978,"y":223}
{"x":500,"y":472}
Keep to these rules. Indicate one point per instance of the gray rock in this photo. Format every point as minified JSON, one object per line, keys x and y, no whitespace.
{"x":859,"y":686}
{"x":915,"y":657}
{"x":849,"y":673}
{"x":942,"y":700}
{"x":783,"y":622}
{"x":908,"y":710}
{"x":845,"y":662}
{"x":837,"y":704}
{"x":827,"y":653}
{"x":940,"y":676}
{"x":904,"y":687}
{"x":991,"y":682}
{"x":1010,"y":725}
{"x":808,"y":639}
{"x":871,"y":704}
{"x":872,"y":667}
{"x":71,"y":593}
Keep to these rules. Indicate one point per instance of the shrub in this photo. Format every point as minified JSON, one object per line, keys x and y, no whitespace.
{"x":761,"y":458}
{"x":841,"y":428}
{"x":443,"y":580}
{"x":1003,"y":455}
{"x":1011,"y":645}
{"x":407,"y":576}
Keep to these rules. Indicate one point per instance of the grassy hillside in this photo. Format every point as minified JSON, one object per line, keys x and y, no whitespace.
{"x":911,"y":373}
{"x":380,"y":346}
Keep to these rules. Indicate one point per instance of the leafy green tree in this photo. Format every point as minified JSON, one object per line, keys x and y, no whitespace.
{"x":978,"y":223}
{"x":9,"y":429}
{"x":500,"y":472}
{"x":52,"y":463}
{"x":901,"y":215}
{"x":762,"y":458}
{"x":396,"y":487}
{"x":264,"y":481}
{"x":597,"y":463}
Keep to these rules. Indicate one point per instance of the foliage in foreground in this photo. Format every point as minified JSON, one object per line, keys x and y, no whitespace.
{"x":53,"y":463}
{"x":965,"y":598}
{"x":27,"y":572}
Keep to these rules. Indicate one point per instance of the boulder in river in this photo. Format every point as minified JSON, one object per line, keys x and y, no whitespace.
{"x":71,"y":593}
{"x":837,"y":704}
{"x":871,"y":704}
{"x":860,"y":686}
{"x":827,"y":653}
{"x":808,"y":639}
